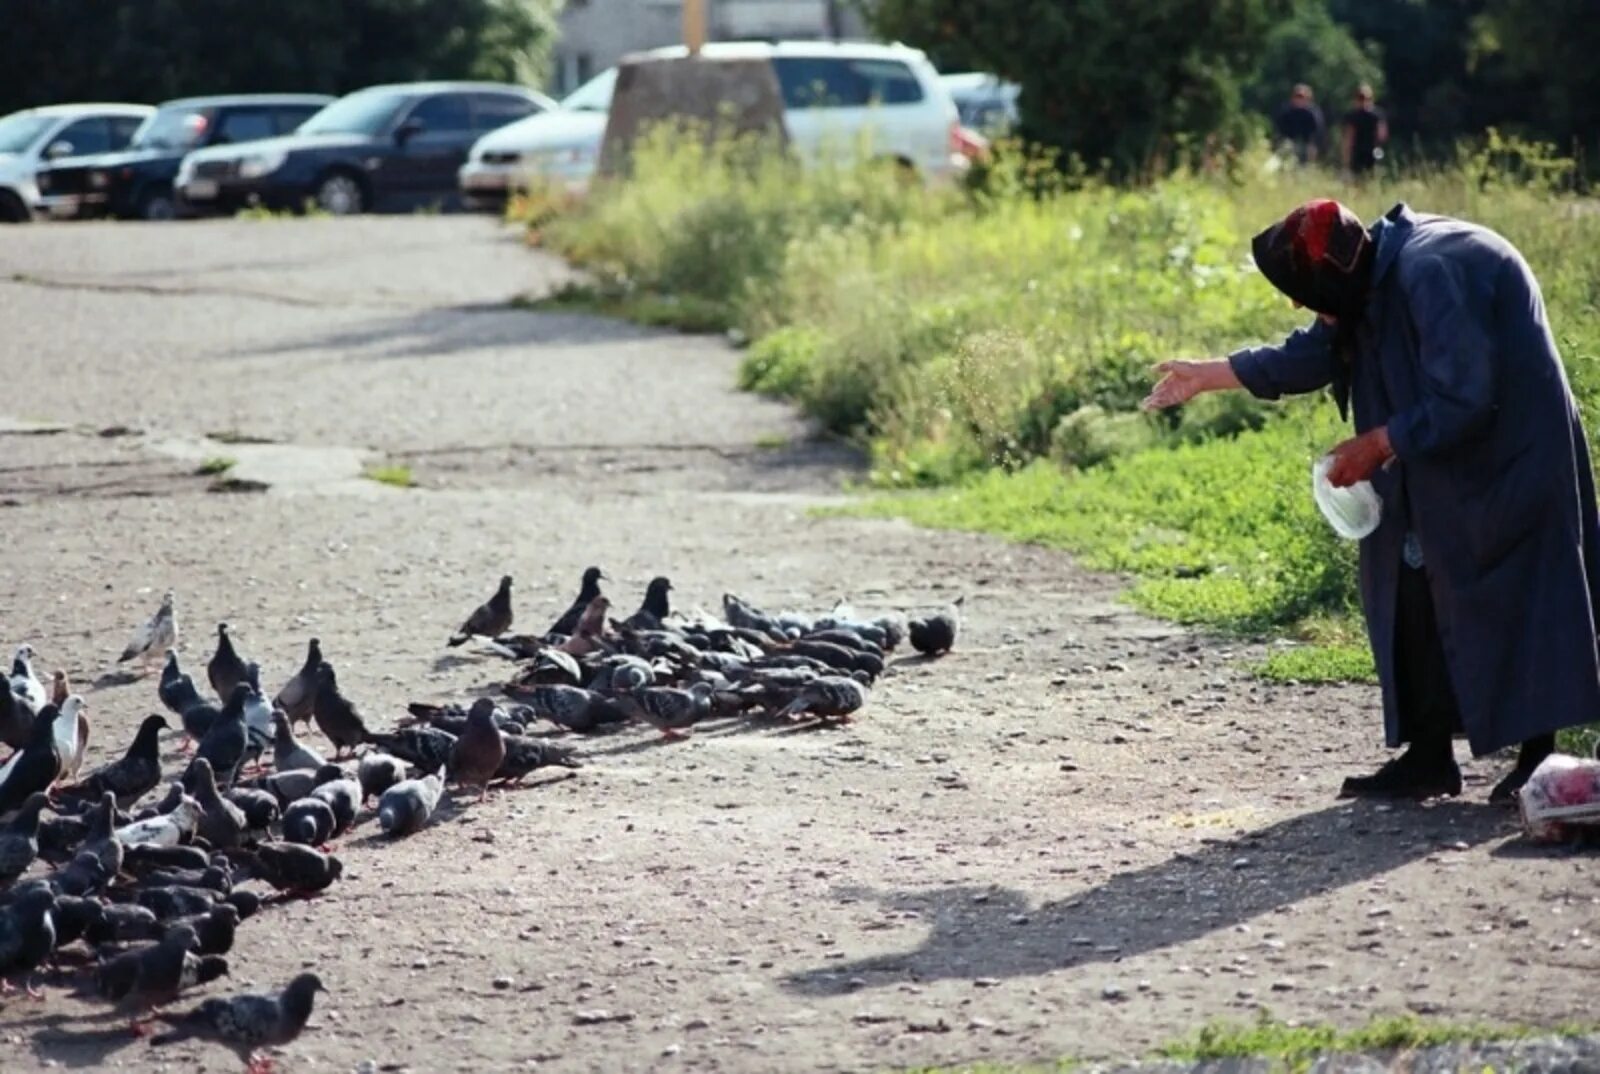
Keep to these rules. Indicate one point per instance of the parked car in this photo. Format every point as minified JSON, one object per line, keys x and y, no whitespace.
{"x":378,"y":148}
{"x":987,"y":103}
{"x":835,"y":94}
{"x":31,"y":139}
{"x":137,"y":182}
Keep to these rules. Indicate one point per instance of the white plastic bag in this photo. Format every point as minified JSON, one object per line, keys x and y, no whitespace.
{"x":1353,"y":512}
{"x":1563,"y":793}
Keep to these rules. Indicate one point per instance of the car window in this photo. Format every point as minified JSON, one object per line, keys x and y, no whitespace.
{"x":18,"y":131}
{"x":825,"y":82}
{"x":86,"y":136}
{"x":176,"y":127}
{"x":445,"y":113}
{"x":123,"y":129}
{"x":243,"y":125}
{"x":491,"y":110}
{"x":288,"y":117}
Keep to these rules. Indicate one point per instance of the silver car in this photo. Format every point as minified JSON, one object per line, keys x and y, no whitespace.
{"x":32,"y":138}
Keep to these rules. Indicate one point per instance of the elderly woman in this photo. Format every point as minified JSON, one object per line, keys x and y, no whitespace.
{"x":1481,"y":583}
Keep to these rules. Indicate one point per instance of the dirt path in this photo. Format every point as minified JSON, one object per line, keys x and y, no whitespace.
{"x":1084,"y":833}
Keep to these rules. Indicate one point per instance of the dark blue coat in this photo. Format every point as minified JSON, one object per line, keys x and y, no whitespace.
{"x":1455,"y":356}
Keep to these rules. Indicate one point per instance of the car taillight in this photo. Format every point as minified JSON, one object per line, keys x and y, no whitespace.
{"x":968,"y":143}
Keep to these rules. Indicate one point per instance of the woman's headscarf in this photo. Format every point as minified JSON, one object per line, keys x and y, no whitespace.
{"x":1320,"y":255}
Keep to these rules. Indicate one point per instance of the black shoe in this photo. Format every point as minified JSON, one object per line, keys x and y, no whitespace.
{"x":1407,"y":777}
{"x":1529,"y":757}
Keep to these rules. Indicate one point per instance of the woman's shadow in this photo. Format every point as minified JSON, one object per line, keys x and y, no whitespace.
{"x":995,"y":932}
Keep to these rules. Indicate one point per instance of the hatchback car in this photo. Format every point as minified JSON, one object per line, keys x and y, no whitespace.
{"x":31,"y":139}
{"x":137,"y":183}
{"x":385,"y":147}
{"x":836,"y":96}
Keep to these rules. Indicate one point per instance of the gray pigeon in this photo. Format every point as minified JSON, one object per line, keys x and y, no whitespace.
{"x":378,"y":772}
{"x":299,"y":870}
{"x":936,"y":634}
{"x":290,"y":785}
{"x":669,"y":710}
{"x":257,"y":717}
{"x":569,"y":707}
{"x":479,"y":752}
{"x":227,"y":739}
{"x":260,"y":807}
{"x":309,"y":822}
{"x":227,"y":668}
{"x":341,"y":794}
{"x":247,"y":1023}
{"x":287,"y":752}
{"x":426,"y":747}
{"x":525,"y":755}
{"x":34,"y":767}
{"x":27,"y":934}
{"x":222,"y":824}
{"x":155,"y":636}
{"x":408,"y":805}
{"x":130,"y":777}
{"x":19,"y":838}
{"x":588,"y":589}
{"x":832,"y":697}
{"x":176,"y":689}
{"x":490,"y":619}
{"x":299,"y":693}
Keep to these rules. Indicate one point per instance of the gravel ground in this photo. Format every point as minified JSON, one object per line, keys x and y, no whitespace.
{"x":1083,"y":833}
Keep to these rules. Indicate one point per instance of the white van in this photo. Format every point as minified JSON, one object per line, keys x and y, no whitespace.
{"x":835,"y":94}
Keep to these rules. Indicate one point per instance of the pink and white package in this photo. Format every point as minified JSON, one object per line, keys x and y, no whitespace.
{"x":1563,"y":793}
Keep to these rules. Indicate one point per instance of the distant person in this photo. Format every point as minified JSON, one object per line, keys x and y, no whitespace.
{"x":1299,"y":123}
{"x":1366,"y":131}
{"x":1481,"y":583}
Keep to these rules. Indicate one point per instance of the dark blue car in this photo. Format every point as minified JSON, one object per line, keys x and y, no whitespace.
{"x":137,"y":183}
{"x":385,"y":147}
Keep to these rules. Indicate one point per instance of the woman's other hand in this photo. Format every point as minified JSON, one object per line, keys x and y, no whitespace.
{"x":1358,"y":458}
{"x":1182,"y":381}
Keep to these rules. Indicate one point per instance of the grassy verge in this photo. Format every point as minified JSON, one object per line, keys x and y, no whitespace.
{"x":399,"y":477}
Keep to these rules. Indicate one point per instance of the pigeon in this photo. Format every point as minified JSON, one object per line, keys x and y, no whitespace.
{"x":75,"y":917}
{"x":832,"y":697}
{"x":341,"y":794}
{"x":247,"y":1023}
{"x":478,"y":753}
{"x":99,"y":858}
{"x":142,"y":859}
{"x":222,"y":824}
{"x":936,"y":634}
{"x":211,"y":878}
{"x":257,"y":717}
{"x":407,"y":806}
{"x":623,"y":674}
{"x":336,"y":716}
{"x":228,"y":738}
{"x":132,"y":776}
{"x":260,"y":808}
{"x":569,"y":707}
{"x":287,"y":752}
{"x":147,"y":977}
{"x":19,"y":838}
{"x":746,"y":616}
{"x":154,"y":637}
{"x":24,"y":682}
{"x":378,"y":772}
{"x":309,"y":822}
{"x":299,"y":693}
{"x":294,"y":868}
{"x":590,"y":634}
{"x":488,"y":620}
{"x":525,"y":755}
{"x":16,"y":717}
{"x":588,"y":589}
{"x":556,"y":667}
{"x":452,"y":717}
{"x":197,"y":720}
{"x":656,"y":607}
{"x":291,"y":785}
{"x":215,"y":929}
{"x":122,"y":922}
{"x":426,"y":747}
{"x":72,"y":734}
{"x":670,"y":710}
{"x":27,"y":936}
{"x":175,"y":902}
{"x":176,"y":690}
{"x":226,"y":670}
{"x":35,"y":767}
{"x":165,"y":829}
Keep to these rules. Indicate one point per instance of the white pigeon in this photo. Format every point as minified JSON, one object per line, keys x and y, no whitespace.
{"x":154,"y":637}
{"x":164,"y":829}
{"x":24,"y":682}
{"x":72,"y":737}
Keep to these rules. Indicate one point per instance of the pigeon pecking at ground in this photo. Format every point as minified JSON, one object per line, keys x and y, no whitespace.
{"x":489,"y":619}
{"x":936,"y":634}
{"x":409,"y":804}
{"x":247,"y":1023}
{"x":154,"y":637}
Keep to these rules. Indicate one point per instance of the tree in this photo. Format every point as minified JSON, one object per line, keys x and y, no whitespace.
{"x":1550,"y":46}
{"x":1118,"y":83}
{"x":1311,"y":48}
{"x":54,"y":51}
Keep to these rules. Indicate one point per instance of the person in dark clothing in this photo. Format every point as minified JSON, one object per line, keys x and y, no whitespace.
{"x":1481,"y":583}
{"x":1366,"y":131}
{"x":1299,"y":123}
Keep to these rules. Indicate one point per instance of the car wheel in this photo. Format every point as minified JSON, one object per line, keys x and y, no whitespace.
{"x":12,"y":210}
{"x":157,"y":205}
{"x":341,"y":194}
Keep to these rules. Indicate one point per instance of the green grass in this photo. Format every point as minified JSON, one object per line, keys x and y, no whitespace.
{"x":216,"y":465}
{"x":685,"y":313}
{"x":234,"y":436}
{"x":771,"y":442}
{"x":1320,"y":664}
{"x":398,"y":476}
{"x":1300,"y":1044}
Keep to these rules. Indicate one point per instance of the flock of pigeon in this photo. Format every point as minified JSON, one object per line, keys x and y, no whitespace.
{"x":153,"y":893}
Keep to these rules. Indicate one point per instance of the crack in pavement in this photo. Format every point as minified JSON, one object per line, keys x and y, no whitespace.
{"x":26,"y":279}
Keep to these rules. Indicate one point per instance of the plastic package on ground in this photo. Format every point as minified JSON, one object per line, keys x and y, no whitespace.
{"x":1561,"y":796}
{"x":1353,"y":512}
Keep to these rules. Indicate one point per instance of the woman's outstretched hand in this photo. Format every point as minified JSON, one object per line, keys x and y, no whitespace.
{"x":1182,"y":381}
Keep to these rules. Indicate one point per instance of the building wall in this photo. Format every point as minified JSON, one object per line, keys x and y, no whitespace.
{"x":595,"y":34}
